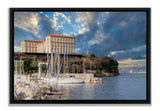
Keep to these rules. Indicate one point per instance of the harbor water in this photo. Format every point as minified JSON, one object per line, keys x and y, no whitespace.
{"x":126,"y":86}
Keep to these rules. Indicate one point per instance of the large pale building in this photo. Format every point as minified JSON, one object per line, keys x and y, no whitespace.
{"x":30,"y":46}
{"x":57,"y":43}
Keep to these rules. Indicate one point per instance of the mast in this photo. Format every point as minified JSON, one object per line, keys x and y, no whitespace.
{"x":59,"y":69}
{"x":52,"y":61}
{"x":16,"y":68}
{"x":64,"y":64}
{"x":20,"y":66}
{"x":39,"y":69}
{"x":47,"y":62}
{"x":84,"y":66}
{"x":67,"y":64}
{"x":58,"y":62}
{"x":55,"y":63}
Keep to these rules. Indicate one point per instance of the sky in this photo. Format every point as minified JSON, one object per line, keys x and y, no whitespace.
{"x":121,"y":35}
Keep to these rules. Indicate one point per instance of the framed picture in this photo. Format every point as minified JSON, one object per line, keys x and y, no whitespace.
{"x":80,"y":55}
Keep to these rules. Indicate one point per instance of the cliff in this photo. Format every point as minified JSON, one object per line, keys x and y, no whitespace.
{"x":106,"y":66}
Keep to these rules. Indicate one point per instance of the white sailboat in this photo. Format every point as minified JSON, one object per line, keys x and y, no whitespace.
{"x":57,"y":79}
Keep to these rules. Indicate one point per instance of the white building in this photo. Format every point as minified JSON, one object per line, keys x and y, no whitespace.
{"x":58,"y":43}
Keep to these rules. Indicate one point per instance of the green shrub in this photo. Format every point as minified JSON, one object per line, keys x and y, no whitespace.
{"x":98,"y":72}
{"x":92,"y":55}
{"x":27,"y":65}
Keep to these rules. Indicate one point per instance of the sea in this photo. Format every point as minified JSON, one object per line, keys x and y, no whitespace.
{"x":126,"y":86}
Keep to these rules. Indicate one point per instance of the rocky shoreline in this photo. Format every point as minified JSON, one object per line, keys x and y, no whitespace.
{"x":27,"y":88}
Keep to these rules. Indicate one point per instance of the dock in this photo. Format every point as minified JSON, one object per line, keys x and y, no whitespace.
{"x":86,"y":77}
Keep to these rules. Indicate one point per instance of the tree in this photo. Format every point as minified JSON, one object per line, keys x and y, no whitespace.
{"x":34,"y":67}
{"x":27,"y":65}
{"x":93,"y":55}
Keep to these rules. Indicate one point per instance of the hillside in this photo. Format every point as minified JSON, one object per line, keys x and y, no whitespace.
{"x":105,"y":66}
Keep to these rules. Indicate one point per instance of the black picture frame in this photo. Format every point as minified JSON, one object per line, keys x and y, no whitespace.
{"x":148,"y":58}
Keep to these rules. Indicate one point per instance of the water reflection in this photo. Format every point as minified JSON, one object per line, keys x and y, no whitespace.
{"x":123,"y":87}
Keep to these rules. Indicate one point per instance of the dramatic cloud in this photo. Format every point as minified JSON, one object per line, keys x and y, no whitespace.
{"x":26,"y":21}
{"x":84,"y":21}
{"x":135,"y":53}
{"x":59,"y":19}
{"x":29,"y":25}
{"x":119,"y":31}
{"x":121,"y":35}
{"x":46,"y":26}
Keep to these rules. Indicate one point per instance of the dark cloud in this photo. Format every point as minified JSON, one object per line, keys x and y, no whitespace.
{"x":117,"y":31}
{"x":138,"y":53}
{"x":21,"y":33}
{"x":127,"y":30}
{"x":46,"y":27}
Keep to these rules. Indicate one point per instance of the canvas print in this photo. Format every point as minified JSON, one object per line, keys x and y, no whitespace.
{"x":79,"y":55}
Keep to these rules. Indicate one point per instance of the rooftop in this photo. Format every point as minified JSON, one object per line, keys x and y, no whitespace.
{"x":56,"y":35}
{"x":41,"y":41}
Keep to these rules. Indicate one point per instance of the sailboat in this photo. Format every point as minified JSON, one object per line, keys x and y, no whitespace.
{"x":57,"y":78}
{"x":20,"y":78}
{"x":67,"y":80}
{"x":23,"y":77}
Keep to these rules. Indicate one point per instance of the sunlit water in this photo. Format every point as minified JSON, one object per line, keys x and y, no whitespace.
{"x":123,"y":87}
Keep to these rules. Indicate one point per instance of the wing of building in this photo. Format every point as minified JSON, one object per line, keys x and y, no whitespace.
{"x":58,"y":43}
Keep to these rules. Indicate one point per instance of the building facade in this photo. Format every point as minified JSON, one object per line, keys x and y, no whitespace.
{"x":30,"y":46}
{"x":61,"y":44}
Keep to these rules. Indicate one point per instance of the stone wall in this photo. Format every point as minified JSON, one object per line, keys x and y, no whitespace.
{"x":84,"y":76}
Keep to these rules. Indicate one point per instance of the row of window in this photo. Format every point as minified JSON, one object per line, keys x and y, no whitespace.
{"x":30,"y":43}
{"x":61,"y":45}
{"x":59,"y":50}
{"x":60,"y":39}
{"x":62,"y":50}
